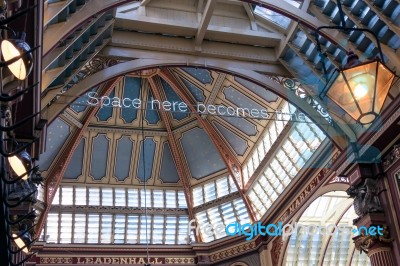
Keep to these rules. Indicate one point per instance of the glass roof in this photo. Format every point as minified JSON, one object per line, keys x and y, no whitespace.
{"x":102,"y":199}
{"x":337,"y":248}
{"x":274,"y":17}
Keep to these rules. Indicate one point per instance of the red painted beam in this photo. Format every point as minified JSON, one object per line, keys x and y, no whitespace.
{"x":229,"y":158}
{"x":177,"y":153}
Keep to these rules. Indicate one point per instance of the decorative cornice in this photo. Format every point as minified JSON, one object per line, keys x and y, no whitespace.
{"x":117,"y":210}
{"x":391,"y":158}
{"x":179,"y":261}
{"x":124,"y":130}
{"x":366,"y":243}
{"x":276,"y":250}
{"x":233,"y":251}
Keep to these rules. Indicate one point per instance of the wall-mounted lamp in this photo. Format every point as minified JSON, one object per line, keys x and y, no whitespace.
{"x":21,"y":164}
{"x":19,"y":177}
{"x":359,"y":88}
{"x":17,"y":54}
{"x":18,"y":48}
{"x":22,"y":240}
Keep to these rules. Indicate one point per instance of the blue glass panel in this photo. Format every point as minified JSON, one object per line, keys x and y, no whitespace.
{"x":152,"y":116}
{"x":80,"y":104}
{"x":123,"y":158}
{"x":75,"y":166}
{"x":98,"y":165}
{"x":173,"y":97}
{"x":236,"y":142}
{"x":196,"y":92}
{"x":242,"y":124}
{"x":168,"y":172}
{"x":132,"y":91}
{"x":240,"y":100}
{"x":202,"y":75}
{"x":201,"y":154}
{"x":105,"y":112}
{"x":260,"y":91}
{"x":144,"y":173}
{"x":57,"y":134}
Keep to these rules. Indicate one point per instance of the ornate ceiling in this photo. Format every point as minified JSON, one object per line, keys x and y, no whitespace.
{"x":211,"y":167}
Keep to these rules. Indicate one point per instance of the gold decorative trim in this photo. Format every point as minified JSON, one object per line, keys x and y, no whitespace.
{"x":233,"y":251}
{"x":179,"y":261}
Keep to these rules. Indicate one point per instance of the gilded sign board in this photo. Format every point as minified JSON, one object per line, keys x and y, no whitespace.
{"x":115,"y":260}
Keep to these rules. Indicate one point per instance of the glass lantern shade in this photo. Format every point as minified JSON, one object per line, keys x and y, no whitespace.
{"x":361,"y":90}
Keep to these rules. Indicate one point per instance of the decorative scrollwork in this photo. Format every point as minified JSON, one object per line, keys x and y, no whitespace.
{"x":392,"y":157}
{"x":96,"y":64}
{"x":299,"y":91}
{"x":364,"y":242}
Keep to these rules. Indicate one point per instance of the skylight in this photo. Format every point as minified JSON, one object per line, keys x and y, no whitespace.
{"x":284,"y":165}
{"x":274,"y":17}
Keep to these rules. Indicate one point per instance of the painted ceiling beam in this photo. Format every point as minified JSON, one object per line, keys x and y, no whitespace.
{"x":230,"y":160}
{"x":50,"y":75}
{"x":53,"y":9}
{"x":310,"y":65}
{"x":205,"y":21}
{"x":393,"y":27}
{"x":221,"y":33}
{"x":61,"y":30}
{"x":312,"y":38}
{"x":394,"y":60}
{"x":168,"y":44}
{"x":177,"y":153}
{"x":57,"y":32}
{"x":59,"y":165}
{"x":250,"y":14}
{"x":54,"y":54}
{"x":338,"y":35}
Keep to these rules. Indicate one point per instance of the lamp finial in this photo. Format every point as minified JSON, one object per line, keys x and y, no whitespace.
{"x":352,"y":59}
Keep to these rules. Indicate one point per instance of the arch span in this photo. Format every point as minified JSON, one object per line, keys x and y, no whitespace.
{"x":340,"y":134}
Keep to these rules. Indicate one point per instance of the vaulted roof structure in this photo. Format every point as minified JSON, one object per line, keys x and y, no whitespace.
{"x":165,"y":111}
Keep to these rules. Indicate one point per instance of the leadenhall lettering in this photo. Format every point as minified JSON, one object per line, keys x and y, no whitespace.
{"x":119,"y":260}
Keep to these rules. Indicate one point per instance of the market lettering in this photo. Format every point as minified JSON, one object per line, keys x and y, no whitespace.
{"x":118,"y":260}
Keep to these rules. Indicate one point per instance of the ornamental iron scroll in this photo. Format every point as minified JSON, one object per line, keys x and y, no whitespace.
{"x":299,"y":91}
{"x":96,"y":64}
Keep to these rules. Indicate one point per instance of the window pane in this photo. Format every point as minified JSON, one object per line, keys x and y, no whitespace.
{"x":133,"y":197}
{"x":158,"y":198}
{"x":132,"y":229}
{"x":119,"y":229}
{"x":107,"y":197}
{"x":145,"y":201}
{"x":93,"y":228}
{"x":66,"y":228}
{"x":66,"y":196}
{"x":170,"y":196}
{"x":80,"y":196}
{"x":106,"y":225}
{"x":80,"y":228}
{"x":120,"y":197}
{"x":52,"y":228}
{"x":94,"y":196}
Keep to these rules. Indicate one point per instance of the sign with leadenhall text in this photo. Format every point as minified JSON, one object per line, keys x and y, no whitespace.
{"x":116,"y":260}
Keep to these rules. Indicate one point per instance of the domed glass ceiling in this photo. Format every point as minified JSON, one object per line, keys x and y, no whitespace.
{"x":186,"y":159}
{"x":103,"y":184}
